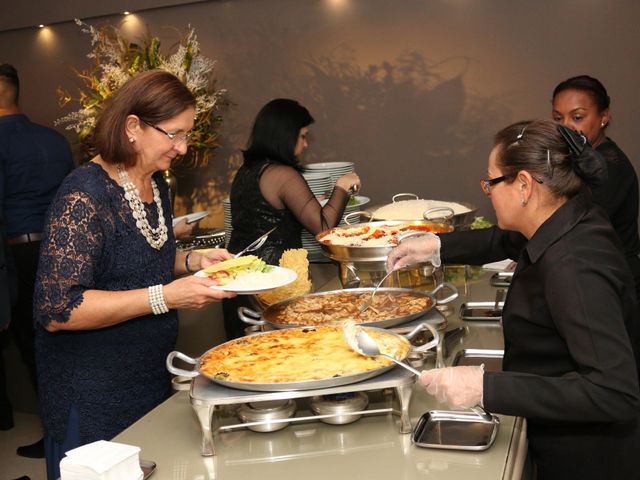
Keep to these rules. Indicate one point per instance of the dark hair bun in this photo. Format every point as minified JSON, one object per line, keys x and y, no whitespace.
{"x":588,"y":164}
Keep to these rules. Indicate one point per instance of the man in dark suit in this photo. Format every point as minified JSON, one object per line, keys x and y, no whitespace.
{"x":34,"y":159}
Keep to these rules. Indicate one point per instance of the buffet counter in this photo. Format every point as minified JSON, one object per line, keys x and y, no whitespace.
{"x":371,"y":447}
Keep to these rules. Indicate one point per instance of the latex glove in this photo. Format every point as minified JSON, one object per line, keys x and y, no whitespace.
{"x":425,"y":248}
{"x":459,"y":387}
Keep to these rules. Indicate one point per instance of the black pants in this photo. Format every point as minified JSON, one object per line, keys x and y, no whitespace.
{"x":233,"y":326}
{"x":21,"y":328}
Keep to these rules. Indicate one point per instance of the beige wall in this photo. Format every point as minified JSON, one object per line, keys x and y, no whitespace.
{"x":410,"y":90}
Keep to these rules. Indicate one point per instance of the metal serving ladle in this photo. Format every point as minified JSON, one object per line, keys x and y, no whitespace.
{"x":256,"y":244}
{"x":363,"y":308}
{"x":365,"y":345}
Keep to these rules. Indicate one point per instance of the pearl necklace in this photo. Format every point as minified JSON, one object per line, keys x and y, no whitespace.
{"x":156,"y":237}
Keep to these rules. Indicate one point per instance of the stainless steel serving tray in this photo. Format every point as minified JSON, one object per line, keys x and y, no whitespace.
{"x":455,"y":430}
{"x":458,"y":220}
{"x":491,"y":359}
{"x":265,"y":318}
{"x":482,"y":311}
{"x":365,"y":253}
{"x":302,"y":385}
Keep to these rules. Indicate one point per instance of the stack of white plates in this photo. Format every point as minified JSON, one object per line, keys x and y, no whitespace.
{"x":334,"y":169}
{"x":226,"y":205}
{"x":320,"y":183}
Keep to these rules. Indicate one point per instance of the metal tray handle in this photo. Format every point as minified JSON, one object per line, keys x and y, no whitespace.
{"x":448,"y":215}
{"x":249,"y":316}
{"x":429,"y":345}
{"x":347,"y":218}
{"x":179,"y":371}
{"x":402,"y":237}
{"x":412,"y":195}
{"x":453,"y":296}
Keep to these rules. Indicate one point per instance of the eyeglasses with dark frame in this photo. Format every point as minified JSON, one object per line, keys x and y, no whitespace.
{"x":175,"y":137}
{"x":486,"y":184}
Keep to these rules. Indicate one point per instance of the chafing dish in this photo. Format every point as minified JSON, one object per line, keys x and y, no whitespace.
{"x":270,"y":315}
{"x":440,"y":212}
{"x":299,"y":385}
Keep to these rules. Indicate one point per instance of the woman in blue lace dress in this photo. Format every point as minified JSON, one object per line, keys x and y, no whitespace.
{"x":107,"y":293}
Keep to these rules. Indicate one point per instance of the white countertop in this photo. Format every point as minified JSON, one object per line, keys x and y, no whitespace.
{"x":371,"y":448}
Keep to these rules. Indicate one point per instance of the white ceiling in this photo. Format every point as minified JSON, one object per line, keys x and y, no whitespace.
{"x":29,"y":13}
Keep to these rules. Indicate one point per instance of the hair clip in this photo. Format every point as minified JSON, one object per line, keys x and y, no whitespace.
{"x":522,"y":132}
{"x":549,"y":164}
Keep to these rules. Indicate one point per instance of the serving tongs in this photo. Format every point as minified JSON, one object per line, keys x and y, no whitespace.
{"x":256,"y":244}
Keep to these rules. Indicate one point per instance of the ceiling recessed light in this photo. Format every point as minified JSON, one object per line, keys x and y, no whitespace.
{"x":41,"y":26}
{"x":126,"y":13}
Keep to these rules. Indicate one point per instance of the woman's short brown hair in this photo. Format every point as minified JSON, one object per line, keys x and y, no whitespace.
{"x":538,"y":148}
{"x":153,"y":96}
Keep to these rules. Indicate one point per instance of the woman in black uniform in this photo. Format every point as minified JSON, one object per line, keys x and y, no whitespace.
{"x":570,"y":315}
{"x":582,"y":104}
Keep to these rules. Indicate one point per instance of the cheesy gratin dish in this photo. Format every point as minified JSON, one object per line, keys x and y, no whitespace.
{"x":374,"y":236}
{"x":297,"y":355}
{"x":333,"y":308}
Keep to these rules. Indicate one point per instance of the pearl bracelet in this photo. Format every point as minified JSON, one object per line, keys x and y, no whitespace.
{"x":156,"y":300}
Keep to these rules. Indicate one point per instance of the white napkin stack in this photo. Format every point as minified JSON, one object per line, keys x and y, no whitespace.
{"x":102,"y":460}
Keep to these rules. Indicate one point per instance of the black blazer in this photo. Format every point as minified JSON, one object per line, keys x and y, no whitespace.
{"x":570,"y":325}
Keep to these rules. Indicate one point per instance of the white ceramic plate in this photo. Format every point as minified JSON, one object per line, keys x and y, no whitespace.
{"x":257,"y":282}
{"x":192,"y":217}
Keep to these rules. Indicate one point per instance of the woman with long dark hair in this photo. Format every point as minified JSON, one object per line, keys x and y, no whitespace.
{"x":269,"y":191}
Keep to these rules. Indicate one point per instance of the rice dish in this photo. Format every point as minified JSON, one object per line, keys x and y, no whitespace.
{"x":414,"y":209}
{"x":257,"y":279}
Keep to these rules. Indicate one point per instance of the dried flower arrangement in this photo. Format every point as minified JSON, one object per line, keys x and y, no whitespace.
{"x":117,"y":58}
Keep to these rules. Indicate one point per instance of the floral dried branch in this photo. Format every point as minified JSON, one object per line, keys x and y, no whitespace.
{"x":116,"y":59}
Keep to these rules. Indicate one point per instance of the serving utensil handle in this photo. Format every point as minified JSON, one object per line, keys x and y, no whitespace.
{"x":402,"y":364}
{"x":179,"y":371}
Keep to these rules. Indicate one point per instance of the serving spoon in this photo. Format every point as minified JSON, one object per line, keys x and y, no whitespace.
{"x":362,"y":343}
{"x":256,"y":244}
{"x":363,"y":308}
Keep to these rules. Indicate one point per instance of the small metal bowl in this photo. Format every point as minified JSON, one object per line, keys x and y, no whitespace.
{"x":266,"y":411}
{"x":342,"y":405}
